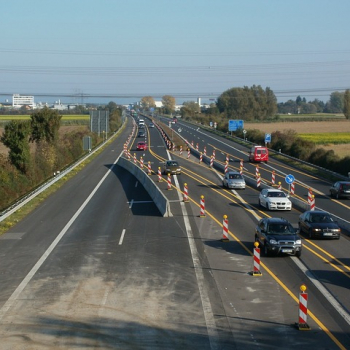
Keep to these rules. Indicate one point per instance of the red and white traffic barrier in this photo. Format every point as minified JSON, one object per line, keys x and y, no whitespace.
{"x":279,"y":186}
{"x":273,"y":177}
{"x":141,"y":162}
{"x":258,"y":181}
{"x":312,"y":203}
{"x":185,"y":193}
{"x":302,"y":323}
{"x":169,"y":182}
{"x":256,"y":260}
{"x":214,"y":153}
{"x":225,"y":229}
{"x":241,"y":170}
{"x":149,"y":168}
{"x":180,"y":150}
{"x":309,"y":196}
{"x":211,"y":161}
{"x":241,"y":163}
{"x":226,"y":167}
{"x":205,"y":151}
{"x":159,"y":175}
{"x":201,"y":158}
{"x":192,"y":143}
{"x":202,"y":206}
{"x":135,"y":161}
{"x":257,"y":173}
{"x":197,"y":147}
{"x":129,"y":155}
{"x":292,"y":188}
{"x":188,"y":154}
{"x":227,"y":158}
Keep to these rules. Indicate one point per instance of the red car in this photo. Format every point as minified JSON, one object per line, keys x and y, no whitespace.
{"x":141,"y":146}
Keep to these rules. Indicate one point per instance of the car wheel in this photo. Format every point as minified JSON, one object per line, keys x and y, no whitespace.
{"x":337,"y":196}
{"x":310,"y":234}
{"x":260,"y":203}
{"x":298,"y":254}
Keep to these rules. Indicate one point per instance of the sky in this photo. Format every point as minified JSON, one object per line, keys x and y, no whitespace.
{"x":121,"y":50}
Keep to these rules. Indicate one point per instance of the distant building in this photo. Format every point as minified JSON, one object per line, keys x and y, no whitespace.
{"x":19,"y":100}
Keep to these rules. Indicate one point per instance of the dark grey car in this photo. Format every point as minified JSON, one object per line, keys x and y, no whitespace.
{"x":277,"y":236}
{"x":340,"y":189}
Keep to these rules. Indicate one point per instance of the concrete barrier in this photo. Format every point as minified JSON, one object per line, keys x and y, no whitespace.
{"x":157,"y":196}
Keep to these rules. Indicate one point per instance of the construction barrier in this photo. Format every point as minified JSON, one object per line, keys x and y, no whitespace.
{"x":135,"y":161}
{"x":205,"y":151}
{"x":292,"y":188}
{"x":309,"y":196}
{"x":227,"y":158}
{"x":302,"y":324}
{"x":258,"y":181}
{"x":226,"y":167}
{"x":169,"y":182}
{"x":141,"y":162}
{"x":202,"y":206}
{"x":257,"y":171}
{"x":188,"y":154}
{"x":201,"y":158}
{"x":211,"y":161}
{"x":241,"y":170}
{"x":312,"y":203}
{"x":214,"y":153}
{"x":279,"y":186}
{"x":159,"y":175}
{"x":241,"y":164}
{"x":185,"y":193}
{"x":256,"y":260}
{"x":273,"y":177}
{"x":180,"y":150}
{"x":149,"y":168}
{"x":197,"y":147}
{"x":225,"y":229}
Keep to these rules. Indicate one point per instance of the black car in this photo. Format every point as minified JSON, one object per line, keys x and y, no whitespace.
{"x":340,"y":189}
{"x":318,"y":224}
{"x":141,"y":134}
{"x":277,"y":236}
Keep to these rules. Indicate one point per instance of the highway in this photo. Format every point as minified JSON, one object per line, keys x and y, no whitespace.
{"x":97,"y":266}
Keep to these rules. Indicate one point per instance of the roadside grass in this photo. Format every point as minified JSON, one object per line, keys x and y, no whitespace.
{"x":21,"y":213}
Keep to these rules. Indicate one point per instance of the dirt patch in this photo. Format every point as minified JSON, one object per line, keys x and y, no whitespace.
{"x":302,"y":127}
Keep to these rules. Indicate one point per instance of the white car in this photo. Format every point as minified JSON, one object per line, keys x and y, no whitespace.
{"x":273,"y":199}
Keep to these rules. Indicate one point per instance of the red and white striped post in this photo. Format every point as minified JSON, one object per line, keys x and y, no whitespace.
{"x":226,"y":167}
{"x":214,"y":153}
{"x":129,"y":155}
{"x":302,"y":323}
{"x":159,"y":175}
{"x":241,"y":163}
{"x":174,"y":147}
{"x":225,"y":229}
{"x":135,"y":161}
{"x":312,"y":203}
{"x":309,"y":196}
{"x":180,"y":150}
{"x":211,"y":161}
{"x":258,"y":181}
{"x":201,"y":158}
{"x":192,"y":143}
{"x":169,"y":182}
{"x":241,"y":170}
{"x":188,"y":153}
{"x":256,"y":260}
{"x":205,"y":151}
{"x":141,"y":162}
{"x":227,"y":158}
{"x":273,"y":177}
{"x":257,"y":171}
{"x":202,"y":206}
{"x":185,"y":193}
{"x":149,"y":168}
{"x":197,"y":147}
{"x":292,"y":188}
{"x":279,"y":186}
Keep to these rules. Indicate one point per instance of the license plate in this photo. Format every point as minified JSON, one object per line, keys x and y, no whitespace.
{"x":328,"y":234}
{"x":287,"y":250}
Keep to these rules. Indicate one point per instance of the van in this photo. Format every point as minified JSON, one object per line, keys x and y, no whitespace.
{"x":141,"y":122}
{"x":259,"y":154}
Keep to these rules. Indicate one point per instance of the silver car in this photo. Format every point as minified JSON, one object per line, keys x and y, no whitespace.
{"x":233,"y":179}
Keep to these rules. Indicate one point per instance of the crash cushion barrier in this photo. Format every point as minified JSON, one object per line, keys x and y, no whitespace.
{"x":155,"y":193}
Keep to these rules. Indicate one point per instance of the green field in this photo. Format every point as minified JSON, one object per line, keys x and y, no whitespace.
{"x":334,"y":138}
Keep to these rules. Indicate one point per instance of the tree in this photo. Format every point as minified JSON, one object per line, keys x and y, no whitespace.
{"x":335,"y":103}
{"x":346,"y":107}
{"x":16,"y":138}
{"x":168,"y":104}
{"x":147,"y":102}
{"x":189,"y":109}
{"x":45,"y":124}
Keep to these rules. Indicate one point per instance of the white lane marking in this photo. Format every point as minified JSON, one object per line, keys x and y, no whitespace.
{"x":15,"y":295}
{"x":122,"y":237}
{"x":342,"y":312}
{"x":207,"y":309}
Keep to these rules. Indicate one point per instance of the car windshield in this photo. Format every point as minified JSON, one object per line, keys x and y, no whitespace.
{"x":235,"y":176}
{"x":276,"y":194}
{"x":345,"y":187}
{"x":280,"y":229}
{"x":321,"y":218}
{"x":172,"y":163}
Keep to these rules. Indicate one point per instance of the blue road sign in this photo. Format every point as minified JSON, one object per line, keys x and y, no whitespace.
{"x":267,"y":138}
{"x":289,"y":179}
{"x":234,"y":124}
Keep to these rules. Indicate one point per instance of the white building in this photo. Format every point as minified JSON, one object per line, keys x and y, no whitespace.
{"x":19,"y":100}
